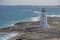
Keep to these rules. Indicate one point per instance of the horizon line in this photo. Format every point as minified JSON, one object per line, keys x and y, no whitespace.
{"x":32,"y":5}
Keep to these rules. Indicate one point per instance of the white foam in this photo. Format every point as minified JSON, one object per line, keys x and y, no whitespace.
{"x":53,"y":15}
{"x":35,"y":18}
{"x":31,"y":19}
{"x":38,"y":18}
{"x":10,"y":35}
{"x":37,"y":12}
{"x":12,"y":25}
{"x":28,"y":19}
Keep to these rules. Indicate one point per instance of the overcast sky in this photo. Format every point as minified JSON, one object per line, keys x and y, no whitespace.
{"x":30,"y":2}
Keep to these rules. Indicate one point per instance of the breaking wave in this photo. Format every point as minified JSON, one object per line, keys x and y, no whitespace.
{"x":6,"y":36}
{"x":53,"y":15}
{"x":37,"y":12}
{"x":27,"y":20}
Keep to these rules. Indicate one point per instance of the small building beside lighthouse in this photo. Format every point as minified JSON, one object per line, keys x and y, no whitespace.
{"x":43,"y":21}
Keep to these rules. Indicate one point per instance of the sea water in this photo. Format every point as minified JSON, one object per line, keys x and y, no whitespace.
{"x":10,"y":15}
{"x":5,"y":36}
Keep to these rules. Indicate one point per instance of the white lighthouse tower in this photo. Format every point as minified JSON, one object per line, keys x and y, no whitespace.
{"x":43,"y":21}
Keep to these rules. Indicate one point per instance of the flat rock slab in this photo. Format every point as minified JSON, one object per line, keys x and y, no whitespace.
{"x":40,"y":34}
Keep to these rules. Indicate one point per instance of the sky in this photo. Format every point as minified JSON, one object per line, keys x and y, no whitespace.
{"x":30,"y":2}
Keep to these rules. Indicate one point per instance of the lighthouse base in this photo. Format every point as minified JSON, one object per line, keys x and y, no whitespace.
{"x":44,"y":26}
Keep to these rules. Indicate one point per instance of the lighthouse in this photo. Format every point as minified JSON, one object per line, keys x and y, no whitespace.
{"x":43,"y":21}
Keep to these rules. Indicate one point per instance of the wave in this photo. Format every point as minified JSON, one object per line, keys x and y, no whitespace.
{"x":27,"y":20}
{"x":53,"y":15}
{"x":36,"y":12}
{"x":38,"y":17}
{"x":35,"y":19}
{"x":31,"y":19}
{"x":9,"y":35}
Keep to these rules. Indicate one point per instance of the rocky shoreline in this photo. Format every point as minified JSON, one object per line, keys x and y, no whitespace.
{"x":32,"y":31}
{"x":52,"y":21}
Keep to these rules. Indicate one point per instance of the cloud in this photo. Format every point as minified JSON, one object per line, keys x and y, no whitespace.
{"x":29,"y":2}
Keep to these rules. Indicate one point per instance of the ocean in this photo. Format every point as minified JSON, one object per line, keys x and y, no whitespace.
{"x":10,"y":14}
{"x":6,"y":36}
